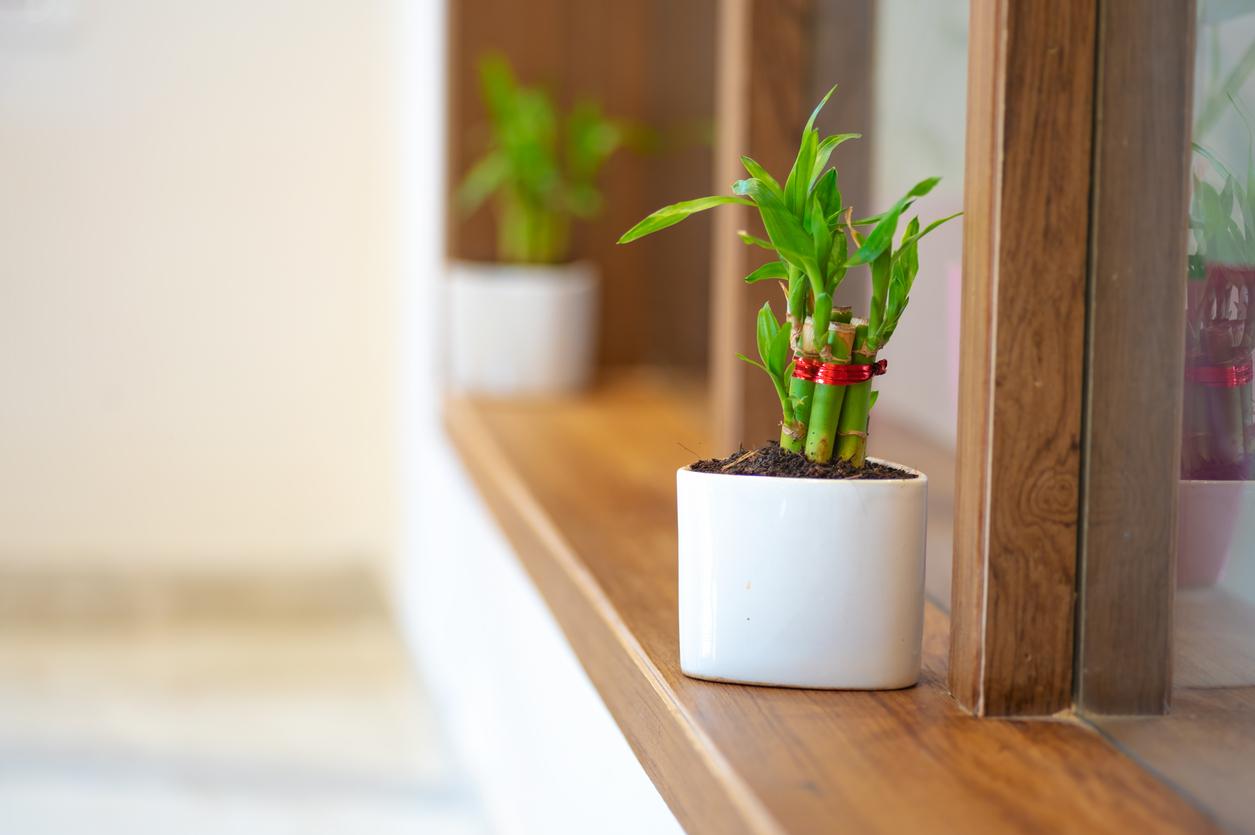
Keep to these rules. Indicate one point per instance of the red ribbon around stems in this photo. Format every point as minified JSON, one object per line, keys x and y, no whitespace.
{"x":1221,"y":376}
{"x":834,"y":374}
{"x":805,"y":369}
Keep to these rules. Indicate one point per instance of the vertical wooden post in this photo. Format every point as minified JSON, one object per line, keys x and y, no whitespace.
{"x":775,"y":58}
{"x":1030,"y":96}
{"x":1135,"y":356}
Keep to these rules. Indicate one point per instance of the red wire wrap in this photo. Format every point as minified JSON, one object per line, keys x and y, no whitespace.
{"x":833,"y":374}
{"x":1221,"y":376}
{"x":805,"y":369}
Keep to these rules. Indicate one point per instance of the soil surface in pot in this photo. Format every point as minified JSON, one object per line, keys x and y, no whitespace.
{"x":772,"y":460}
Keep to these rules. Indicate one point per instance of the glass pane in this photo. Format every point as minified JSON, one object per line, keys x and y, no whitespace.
{"x":1206,"y":745}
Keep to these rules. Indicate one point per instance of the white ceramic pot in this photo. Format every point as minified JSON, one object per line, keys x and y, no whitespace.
{"x":521,"y":328}
{"x":764,"y":600}
{"x":1215,"y":519}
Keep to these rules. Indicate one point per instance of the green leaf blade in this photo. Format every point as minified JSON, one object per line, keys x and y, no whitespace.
{"x":881,"y":236}
{"x":759,"y":173}
{"x":676,"y":212}
{"x":783,"y":228}
{"x":770,"y":270}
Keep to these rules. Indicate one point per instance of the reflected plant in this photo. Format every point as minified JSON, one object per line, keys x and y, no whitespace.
{"x":1219,"y":426}
{"x":820,"y":359}
{"x":540,"y":169}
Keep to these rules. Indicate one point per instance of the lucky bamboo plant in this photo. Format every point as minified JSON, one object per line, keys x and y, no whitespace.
{"x":1219,"y":426}
{"x":821,"y":359}
{"x":541,"y":169}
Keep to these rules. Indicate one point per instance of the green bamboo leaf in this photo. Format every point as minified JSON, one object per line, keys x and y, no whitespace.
{"x":783,"y":228}
{"x":825,"y":149}
{"x":772,"y":269}
{"x":810,"y":123}
{"x":912,"y":238}
{"x":776,"y":381}
{"x":903,"y":268}
{"x":778,"y":353}
{"x":1246,"y":204}
{"x":497,"y":85}
{"x":881,"y":273}
{"x":881,"y":236}
{"x":590,"y":140}
{"x":485,"y":177}
{"x":821,"y":316}
{"x":798,"y":290}
{"x":836,"y":263}
{"x":1212,"y":158}
{"x":759,"y":173}
{"x":799,"y":182}
{"x":821,"y":235}
{"x":753,"y":362}
{"x":752,"y":240}
{"x":676,"y":212}
{"x":826,"y":194}
{"x":909,"y":252}
{"x":766,"y":330}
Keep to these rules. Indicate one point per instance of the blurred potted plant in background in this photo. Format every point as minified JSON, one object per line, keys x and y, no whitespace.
{"x":1218,"y":441}
{"x":528,"y":322}
{"x":1216,"y":504}
{"x":801,"y":563}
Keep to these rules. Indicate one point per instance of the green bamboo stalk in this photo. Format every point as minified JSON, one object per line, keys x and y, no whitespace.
{"x":821,"y":433}
{"x":852,"y":425}
{"x":793,"y":431}
{"x":801,"y":392}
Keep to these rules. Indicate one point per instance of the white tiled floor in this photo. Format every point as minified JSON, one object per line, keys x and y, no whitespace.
{"x":219,"y":724}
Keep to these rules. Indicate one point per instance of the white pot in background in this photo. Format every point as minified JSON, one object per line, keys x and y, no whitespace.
{"x":1215,"y":519}
{"x":801,"y":582}
{"x":521,"y":328}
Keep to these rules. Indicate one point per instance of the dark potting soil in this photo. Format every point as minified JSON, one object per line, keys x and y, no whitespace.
{"x":775,"y":461}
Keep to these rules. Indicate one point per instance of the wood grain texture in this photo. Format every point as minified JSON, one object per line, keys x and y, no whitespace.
{"x":651,"y":63}
{"x":584,"y":490}
{"x":1022,"y":345}
{"x":776,"y":59}
{"x":1135,"y":354}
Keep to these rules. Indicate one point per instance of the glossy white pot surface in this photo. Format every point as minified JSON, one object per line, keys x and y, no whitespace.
{"x":521,"y":329}
{"x":801,"y":582}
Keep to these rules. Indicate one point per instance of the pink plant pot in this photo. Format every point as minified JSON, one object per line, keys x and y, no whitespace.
{"x":1215,"y":519}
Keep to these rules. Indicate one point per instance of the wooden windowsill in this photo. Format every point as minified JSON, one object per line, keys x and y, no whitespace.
{"x":584,"y":490}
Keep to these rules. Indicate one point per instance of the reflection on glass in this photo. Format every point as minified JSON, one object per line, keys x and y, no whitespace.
{"x":1217,"y":519}
{"x":1206,"y":745}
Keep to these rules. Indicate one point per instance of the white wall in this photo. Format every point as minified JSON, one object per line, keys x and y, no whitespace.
{"x":196,"y":282}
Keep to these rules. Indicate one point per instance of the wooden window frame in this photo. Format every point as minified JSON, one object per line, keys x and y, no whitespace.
{"x":1030,"y":87}
{"x":1137,"y":290}
{"x":1066,"y":488}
